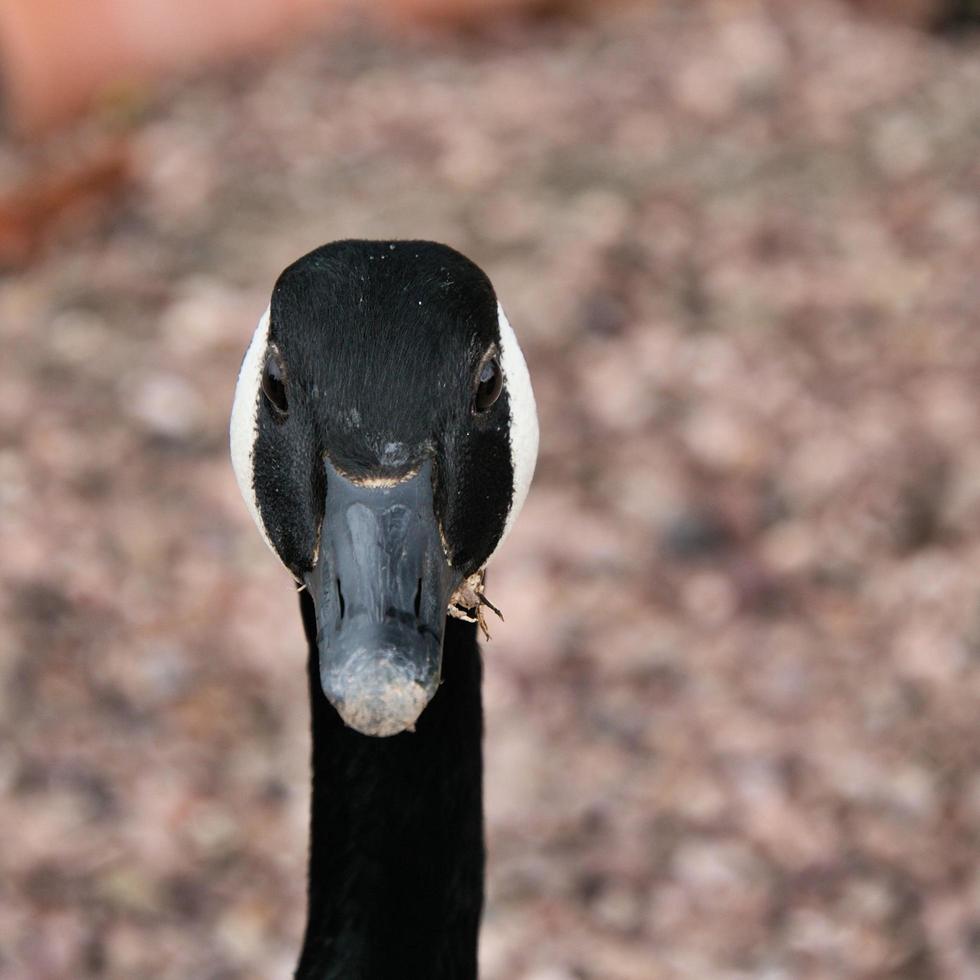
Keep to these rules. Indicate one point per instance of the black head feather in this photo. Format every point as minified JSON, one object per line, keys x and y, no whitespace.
{"x":380,"y":343}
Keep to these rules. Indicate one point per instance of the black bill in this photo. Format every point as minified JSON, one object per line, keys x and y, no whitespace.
{"x":381,"y":586}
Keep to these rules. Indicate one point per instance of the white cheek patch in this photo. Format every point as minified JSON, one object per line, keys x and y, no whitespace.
{"x":244,"y":421}
{"x":523,"y":418}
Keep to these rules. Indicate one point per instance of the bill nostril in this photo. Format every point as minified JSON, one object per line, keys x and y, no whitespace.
{"x":340,"y":597}
{"x":418,"y":600}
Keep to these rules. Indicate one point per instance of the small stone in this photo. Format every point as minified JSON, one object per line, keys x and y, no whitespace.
{"x":167,"y":405}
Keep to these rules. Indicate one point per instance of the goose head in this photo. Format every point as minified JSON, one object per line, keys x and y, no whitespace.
{"x":383,"y":436}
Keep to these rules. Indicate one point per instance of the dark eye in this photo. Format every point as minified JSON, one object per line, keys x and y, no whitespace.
{"x":489,"y":382}
{"x":274,"y":383}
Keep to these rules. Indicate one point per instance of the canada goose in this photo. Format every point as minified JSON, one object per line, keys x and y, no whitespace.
{"x":384,"y":436}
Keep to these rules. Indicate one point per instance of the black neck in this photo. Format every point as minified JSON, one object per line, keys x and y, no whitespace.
{"x":396,"y":852}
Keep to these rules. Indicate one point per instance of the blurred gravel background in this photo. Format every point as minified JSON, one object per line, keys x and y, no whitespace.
{"x":732,"y":715}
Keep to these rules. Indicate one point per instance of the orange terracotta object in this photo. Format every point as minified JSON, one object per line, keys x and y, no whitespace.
{"x":58,"y":58}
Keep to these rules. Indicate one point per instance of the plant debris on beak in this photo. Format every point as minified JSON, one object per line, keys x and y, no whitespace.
{"x":468,"y":602}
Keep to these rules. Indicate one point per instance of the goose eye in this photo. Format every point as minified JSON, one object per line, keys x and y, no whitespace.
{"x":489,"y":382}
{"x":274,"y":383}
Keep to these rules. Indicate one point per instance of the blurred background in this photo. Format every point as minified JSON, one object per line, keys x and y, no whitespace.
{"x":732,"y":715}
